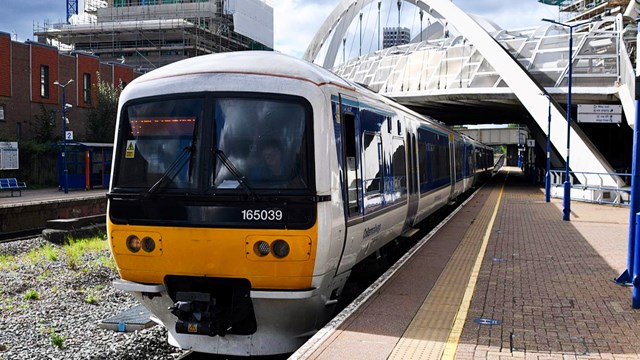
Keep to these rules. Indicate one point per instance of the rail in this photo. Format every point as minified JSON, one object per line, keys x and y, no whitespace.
{"x":589,"y":191}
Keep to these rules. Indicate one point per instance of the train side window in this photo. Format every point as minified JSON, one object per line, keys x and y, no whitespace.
{"x":422,"y":162}
{"x":372,"y":163}
{"x":350,"y":155}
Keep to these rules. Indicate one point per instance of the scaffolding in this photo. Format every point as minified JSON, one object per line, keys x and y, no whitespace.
{"x":148,"y":34}
{"x":576,"y":10}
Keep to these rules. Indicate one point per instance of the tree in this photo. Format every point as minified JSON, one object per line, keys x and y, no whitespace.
{"x":44,"y":125}
{"x":101,"y":121}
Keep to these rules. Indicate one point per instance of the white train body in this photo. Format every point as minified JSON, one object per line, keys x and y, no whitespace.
{"x":370,"y":171}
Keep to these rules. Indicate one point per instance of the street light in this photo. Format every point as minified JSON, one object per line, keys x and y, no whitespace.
{"x":547,"y":178}
{"x":566,"y":201}
{"x":379,"y":25}
{"x":64,"y":133}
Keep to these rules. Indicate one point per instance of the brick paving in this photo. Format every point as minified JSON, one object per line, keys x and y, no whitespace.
{"x":548,"y":282}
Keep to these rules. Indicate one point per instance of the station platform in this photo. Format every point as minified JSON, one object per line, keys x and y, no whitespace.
{"x":31,"y":211}
{"x":48,"y":194}
{"x":505,"y":277}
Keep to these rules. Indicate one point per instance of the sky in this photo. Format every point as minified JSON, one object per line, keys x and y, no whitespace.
{"x":295,"y":21}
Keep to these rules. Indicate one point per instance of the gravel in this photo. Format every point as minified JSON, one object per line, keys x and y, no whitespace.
{"x":50,"y":307}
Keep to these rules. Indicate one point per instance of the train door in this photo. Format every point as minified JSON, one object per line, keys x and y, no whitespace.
{"x":452,"y":169}
{"x":347,"y":119}
{"x":351,"y":173}
{"x":412,"y":181}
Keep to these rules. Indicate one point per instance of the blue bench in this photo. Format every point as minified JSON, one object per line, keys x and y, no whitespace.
{"x":11,"y":184}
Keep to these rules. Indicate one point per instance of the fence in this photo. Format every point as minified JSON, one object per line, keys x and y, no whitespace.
{"x":584,"y":189}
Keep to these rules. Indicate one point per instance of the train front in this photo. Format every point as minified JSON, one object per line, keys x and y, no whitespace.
{"x":213,"y":209}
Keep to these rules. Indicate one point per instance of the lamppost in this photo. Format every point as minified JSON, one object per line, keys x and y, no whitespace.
{"x":360,"y":52}
{"x":64,"y":134}
{"x":399,"y":15}
{"x":566,"y":201}
{"x":547,"y":178}
{"x":379,"y":25}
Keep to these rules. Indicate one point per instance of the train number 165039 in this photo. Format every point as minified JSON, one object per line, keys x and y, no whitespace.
{"x":262,"y":215}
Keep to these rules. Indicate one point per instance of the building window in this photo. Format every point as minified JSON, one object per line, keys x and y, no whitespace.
{"x":86,"y":88}
{"x":44,"y":81}
{"x":2,"y":117}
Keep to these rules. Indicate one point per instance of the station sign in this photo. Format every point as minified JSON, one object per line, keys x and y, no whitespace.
{"x":599,"y":113}
{"x":9,"y":156}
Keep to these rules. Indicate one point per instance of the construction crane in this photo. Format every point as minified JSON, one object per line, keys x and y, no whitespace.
{"x":72,"y":9}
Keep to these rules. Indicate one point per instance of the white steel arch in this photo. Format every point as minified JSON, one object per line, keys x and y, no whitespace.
{"x":528,"y":91}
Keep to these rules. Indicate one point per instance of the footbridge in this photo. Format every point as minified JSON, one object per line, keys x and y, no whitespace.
{"x":463,"y":69}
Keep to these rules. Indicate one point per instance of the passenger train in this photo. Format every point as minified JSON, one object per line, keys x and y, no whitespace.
{"x":246,"y":186}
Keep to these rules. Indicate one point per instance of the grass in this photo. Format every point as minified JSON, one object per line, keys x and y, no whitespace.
{"x":7,"y":262}
{"x":75,"y":248}
{"x":56,"y":339}
{"x":31,"y":295}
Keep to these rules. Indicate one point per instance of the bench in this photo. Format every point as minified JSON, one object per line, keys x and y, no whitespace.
{"x":11,"y":184}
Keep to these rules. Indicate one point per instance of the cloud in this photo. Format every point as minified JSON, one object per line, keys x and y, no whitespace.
{"x":296,"y":22}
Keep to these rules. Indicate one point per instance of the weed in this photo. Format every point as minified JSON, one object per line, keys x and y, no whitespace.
{"x":75,"y":248}
{"x":45,"y":275}
{"x":8,"y":262}
{"x":31,"y":295}
{"x":50,"y":253}
{"x":56,"y":340}
{"x":106,"y":261}
{"x":90,"y":299}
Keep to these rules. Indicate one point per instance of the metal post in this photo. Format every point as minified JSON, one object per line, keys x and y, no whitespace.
{"x":360,"y":51}
{"x":344,"y":49}
{"x":64,"y":134}
{"x":421,"y":16}
{"x":379,"y":25}
{"x":64,"y":141}
{"x":547,"y":178}
{"x":635,"y":298}
{"x":399,"y":14}
{"x":566,"y":201}
{"x":634,"y":206}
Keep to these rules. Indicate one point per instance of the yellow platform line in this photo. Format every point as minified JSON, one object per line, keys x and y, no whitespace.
{"x":461,"y":316}
{"x":430,"y":332}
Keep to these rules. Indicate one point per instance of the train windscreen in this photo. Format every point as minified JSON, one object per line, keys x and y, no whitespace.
{"x":214,"y":144}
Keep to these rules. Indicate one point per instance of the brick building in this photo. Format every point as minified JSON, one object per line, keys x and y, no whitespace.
{"x":27,"y":75}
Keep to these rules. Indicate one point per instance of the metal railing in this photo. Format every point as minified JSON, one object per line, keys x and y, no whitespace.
{"x":584,"y":188}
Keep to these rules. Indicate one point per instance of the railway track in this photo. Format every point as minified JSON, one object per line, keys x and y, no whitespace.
{"x":20,"y":235}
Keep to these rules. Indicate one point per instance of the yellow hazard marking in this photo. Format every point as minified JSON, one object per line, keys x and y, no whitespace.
{"x":458,"y":325}
{"x":192,"y":328}
{"x":131,"y":149}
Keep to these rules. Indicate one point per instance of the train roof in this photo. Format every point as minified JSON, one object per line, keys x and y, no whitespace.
{"x":269,"y":63}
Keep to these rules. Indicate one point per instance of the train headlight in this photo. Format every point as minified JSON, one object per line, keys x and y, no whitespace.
{"x":280,"y":248}
{"x":133,"y":243}
{"x":148,"y":244}
{"x":262,"y":248}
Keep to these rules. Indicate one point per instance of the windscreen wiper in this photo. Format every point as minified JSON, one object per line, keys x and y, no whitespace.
{"x":173,"y":169}
{"x":236,"y":173}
